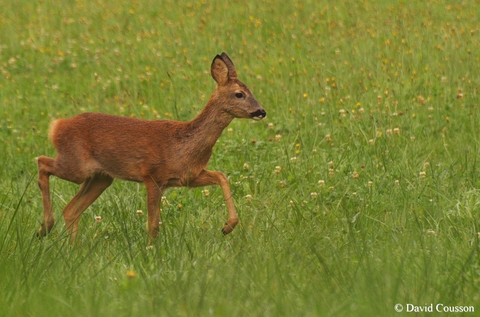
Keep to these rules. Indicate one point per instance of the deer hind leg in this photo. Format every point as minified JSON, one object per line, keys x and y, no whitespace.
{"x":46,"y":167}
{"x":63,"y":167}
{"x":91,"y":188}
{"x":206,"y":178}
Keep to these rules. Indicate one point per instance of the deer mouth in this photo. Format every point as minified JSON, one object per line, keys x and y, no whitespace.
{"x":258,"y":115}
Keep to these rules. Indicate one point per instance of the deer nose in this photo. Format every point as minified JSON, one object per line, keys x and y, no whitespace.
{"x":258,"y":115}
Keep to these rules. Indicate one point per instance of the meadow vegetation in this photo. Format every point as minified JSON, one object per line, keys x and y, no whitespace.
{"x":359,"y":191}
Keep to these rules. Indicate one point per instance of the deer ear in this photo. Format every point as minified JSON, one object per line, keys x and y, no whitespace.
{"x":232,"y":72}
{"x":223,"y":69}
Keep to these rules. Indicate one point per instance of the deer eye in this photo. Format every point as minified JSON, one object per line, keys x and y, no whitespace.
{"x":240,"y":95}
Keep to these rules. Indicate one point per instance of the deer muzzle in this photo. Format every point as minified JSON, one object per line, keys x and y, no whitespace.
{"x":258,"y":115}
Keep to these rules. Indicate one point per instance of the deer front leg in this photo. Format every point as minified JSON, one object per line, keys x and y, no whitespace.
{"x":154,"y":193}
{"x":206,"y":178}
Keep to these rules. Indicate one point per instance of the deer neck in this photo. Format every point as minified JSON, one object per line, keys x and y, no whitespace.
{"x":209,"y":125}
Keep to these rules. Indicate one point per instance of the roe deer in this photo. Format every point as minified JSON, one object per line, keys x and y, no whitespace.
{"x":94,"y":148}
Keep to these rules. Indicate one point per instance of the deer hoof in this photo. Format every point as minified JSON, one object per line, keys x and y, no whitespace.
{"x":227,"y":228}
{"x":40,"y":233}
{"x":43,"y":231}
{"x":225,"y":232}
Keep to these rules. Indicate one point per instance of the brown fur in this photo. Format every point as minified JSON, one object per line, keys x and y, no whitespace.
{"x":94,"y":148}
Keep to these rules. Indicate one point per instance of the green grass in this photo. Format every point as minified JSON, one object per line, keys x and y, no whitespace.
{"x":360,"y":189}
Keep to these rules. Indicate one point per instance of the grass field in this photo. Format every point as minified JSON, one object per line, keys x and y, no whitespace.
{"x":359,"y":191}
